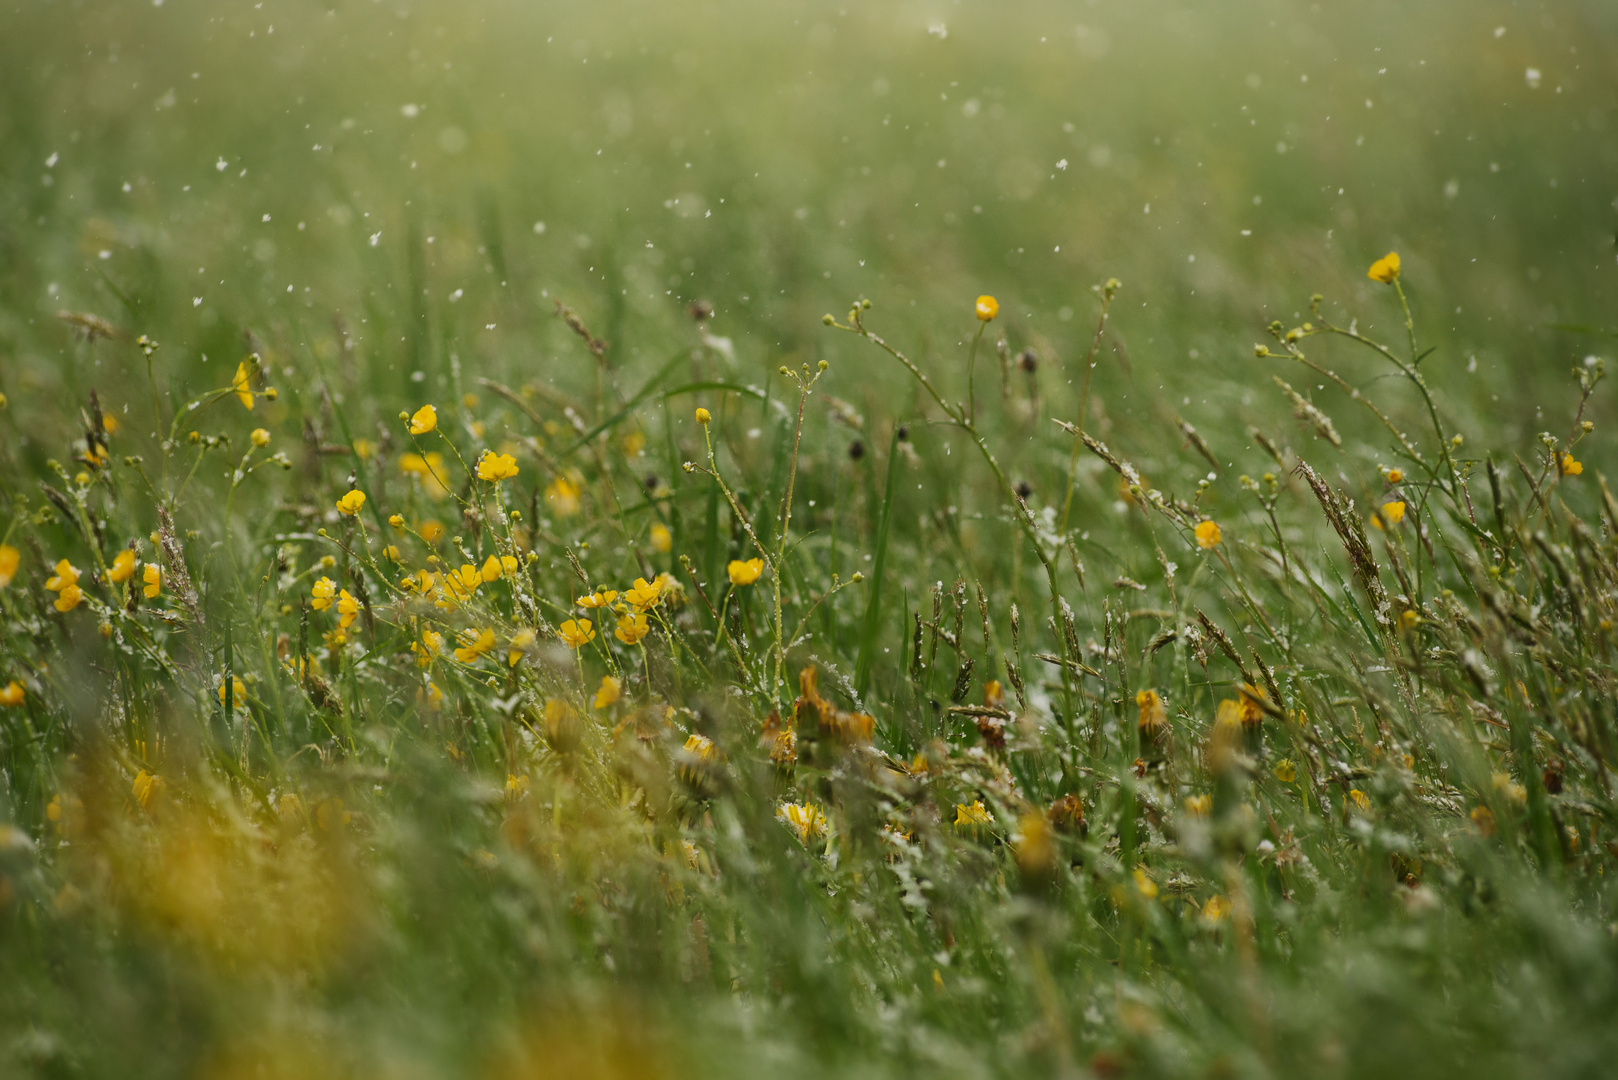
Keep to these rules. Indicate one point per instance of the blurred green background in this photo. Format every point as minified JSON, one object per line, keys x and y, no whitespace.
{"x":446,"y":170}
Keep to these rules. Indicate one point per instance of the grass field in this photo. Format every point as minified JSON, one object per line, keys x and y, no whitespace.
{"x":725,"y":539}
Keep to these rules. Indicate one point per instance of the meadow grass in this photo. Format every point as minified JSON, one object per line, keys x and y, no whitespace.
{"x":708,"y":540}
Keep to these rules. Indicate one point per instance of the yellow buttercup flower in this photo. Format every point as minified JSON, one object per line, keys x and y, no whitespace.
{"x":577,"y":633}
{"x":429,"y":469}
{"x":396,"y":520}
{"x":10,"y":559}
{"x":430,"y":696}
{"x":496,"y":467}
{"x":1216,"y":910}
{"x":703,"y":415}
{"x":521,"y":642}
{"x":243,"y":389}
{"x":152,"y":575}
{"x":363,"y":449}
{"x":1385,"y":269}
{"x":12,"y":694}
{"x":350,"y":504}
{"x":662,"y":539}
{"x":1208,"y":534}
{"x":260,"y":437}
{"x":1570,"y":467}
{"x":609,"y":692}
{"x":474,"y":643}
{"x":348,"y":608}
{"x":631,"y":628}
{"x":645,"y":594}
{"x":1285,"y":771}
{"x":238,"y":692}
{"x":123,"y":567}
{"x":1144,"y":884}
{"x":744,"y":573}
{"x":1360,"y":799}
{"x":1395,"y":475}
{"x":322,"y":593}
{"x":66,"y":575}
{"x":1393,"y":512}
{"x":987,"y":308}
{"x":1199,"y":805}
{"x":425,"y":420}
{"x":429,"y":647}
{"x":430,"y":531}
{"x":599,"y":599}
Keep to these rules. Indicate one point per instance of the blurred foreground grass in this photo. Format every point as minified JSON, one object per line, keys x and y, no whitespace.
{"x":1093,"y":697}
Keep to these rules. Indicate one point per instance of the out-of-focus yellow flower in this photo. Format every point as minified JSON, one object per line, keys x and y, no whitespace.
{"x":460,"y":585}
{"x":633,"y":443}
{"x":110,"y":424}
{"x":987,"y":308}
{"x":12,"y":694}
{"x":631,"y":628}
{"x":1285,"y":771}
{"x":1385,"y":269}
{"x":1199,"y":805}
{"x":704,"y":416}
{"x":495,"y":467}
{"x":744,"y":573}
{"x":972,"y":816}
{"x":396,"y":520}
{"x":348,"y":608}
{"x":123,"y":567}
{"x":238,"y":692}
{"x":430,"y":696}
{"x":1409,"y":619}
{"x":1154,"y":716}
{"x":1144,"y":884}
{"x":1393,"y":512}
{"x":424,"y":420}
{"x":147,"y":786}
{"x":1216,"y":910}
{"x":363,"y":449}
{"x":429,"y":469}
{"x":521,"y":642}
{"x":1571,"y":467}
{"x":805,"y":819}
{"x":391,"y":553}
{"x":428,"y":648}
{"x":243,"y":389}
{"x":563,"y":495}
{"x":599,"y":599}
{"x":1359,"y":799}
{"x":662,"y":539}
{"x":645,"y":594}
{"x":335,"y":640}
{"x":10,"y":559}
{"x":1208,"y":534}
{"x":260,"y":437}
{"x":430,"y":531}
{"x":1483,"y":820}
{"x":497,"y":567}
{"x":1508,"y":787}
{"x":350,"y":504}
{"x":322,"y":593}
{"x":608,"y":693}
{"x":152,"y":575}
{"x":1395,"y":475}
{"x":474,"y":643}
{"x":577,"y":633}
{"x":516,"y":788}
